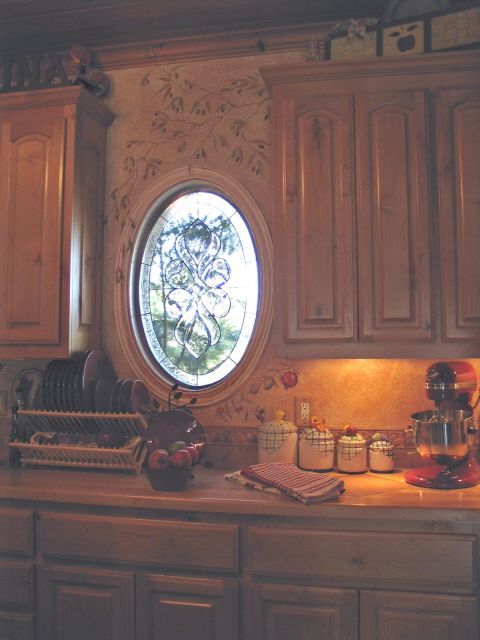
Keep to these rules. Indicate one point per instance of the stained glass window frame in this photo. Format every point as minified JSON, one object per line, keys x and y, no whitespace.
{"x":123,"y":339}
{"x":256,"y":316}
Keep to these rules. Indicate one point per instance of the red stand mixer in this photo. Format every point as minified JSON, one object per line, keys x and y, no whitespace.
{"x":445,"y":435}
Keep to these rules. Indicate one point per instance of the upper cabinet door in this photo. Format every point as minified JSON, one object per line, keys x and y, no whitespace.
{"x":458,"y":141}
{"x":32,"y":151}
{"x":52,"y":161}
{"x":393,"y":216}
{"x":316,"y":285}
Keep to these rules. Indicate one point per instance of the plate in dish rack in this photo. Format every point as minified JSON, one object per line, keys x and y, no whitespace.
{"x":28,"y":382}
{"x":94,"y":366}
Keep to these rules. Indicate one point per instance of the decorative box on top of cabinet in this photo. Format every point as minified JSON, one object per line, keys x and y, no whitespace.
{"x":377,"y":196}
{"x":52,"y":165}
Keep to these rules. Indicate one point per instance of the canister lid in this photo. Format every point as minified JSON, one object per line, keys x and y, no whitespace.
{"x":314,"y":435}
{"x":380,"y":442}
{"x":278,"y":424}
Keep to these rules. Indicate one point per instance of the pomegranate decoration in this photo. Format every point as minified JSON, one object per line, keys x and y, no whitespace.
{"x":289,"y":379}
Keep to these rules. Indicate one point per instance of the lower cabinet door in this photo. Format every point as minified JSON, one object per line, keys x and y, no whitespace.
{"x":178,"y":608}
{"x":75,"y":603}
{"x":417,"y":616}
{"x":16,"y":626}
{"x":284,"y":612}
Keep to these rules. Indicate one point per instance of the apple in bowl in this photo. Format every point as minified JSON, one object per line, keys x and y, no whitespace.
{"x":169,"y":469}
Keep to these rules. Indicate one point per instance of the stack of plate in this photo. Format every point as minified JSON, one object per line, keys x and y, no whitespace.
{"x":86,"y":382}
{"x":121,"y":396}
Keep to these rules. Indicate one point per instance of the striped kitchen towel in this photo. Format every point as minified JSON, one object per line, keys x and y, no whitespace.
{"x":306,"y":486}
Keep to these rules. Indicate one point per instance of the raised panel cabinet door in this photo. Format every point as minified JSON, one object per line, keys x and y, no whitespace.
{"x":283,"y":612}
{"x":457,"y":143}
{"x":52,"y":175}
{"x":393,"y":216}
{"x":32,"y":146}
{"x":178,"y":608}
{"x":315,"y":256}
{"x":16,"y":626}
{"x":417,"y":616}
{"x":84,"y":604}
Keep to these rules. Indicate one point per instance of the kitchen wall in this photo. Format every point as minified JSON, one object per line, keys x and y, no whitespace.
{"x":216,"y":114}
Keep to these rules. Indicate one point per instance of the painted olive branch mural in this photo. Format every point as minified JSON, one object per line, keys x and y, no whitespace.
{"x":241,"y":404}
{"x":194,"y":123}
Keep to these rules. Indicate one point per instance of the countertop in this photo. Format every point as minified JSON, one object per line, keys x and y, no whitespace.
{"x":385,"y":495}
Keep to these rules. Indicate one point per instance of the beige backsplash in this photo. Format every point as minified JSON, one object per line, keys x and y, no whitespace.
{"x":372,"y":394}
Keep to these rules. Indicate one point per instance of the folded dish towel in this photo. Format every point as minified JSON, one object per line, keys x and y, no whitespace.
{"x":286,"y":478}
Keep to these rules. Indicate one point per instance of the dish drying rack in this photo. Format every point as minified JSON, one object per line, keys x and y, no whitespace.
{"x":81,"y":428}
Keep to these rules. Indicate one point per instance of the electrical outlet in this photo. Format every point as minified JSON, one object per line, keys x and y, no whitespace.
{"x":302,"y":411}
{"x":305,"y":411}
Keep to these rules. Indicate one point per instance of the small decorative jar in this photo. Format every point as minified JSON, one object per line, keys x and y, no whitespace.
{"x":277,"y":440}
{"x":351,"y":451}
{"x":380,"y":453}
{"x":316,"y":447}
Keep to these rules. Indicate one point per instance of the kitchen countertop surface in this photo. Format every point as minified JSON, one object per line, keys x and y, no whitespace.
{"x":209,"y":492}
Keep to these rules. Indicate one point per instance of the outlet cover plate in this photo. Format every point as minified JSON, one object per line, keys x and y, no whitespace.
{"x":303,"y":411}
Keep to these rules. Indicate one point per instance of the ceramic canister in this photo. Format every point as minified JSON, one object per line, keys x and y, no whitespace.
{"x":380,"y":454}
{"x":277,"y":440}
{"x":316,"y":448}
{"x":352,"y":453}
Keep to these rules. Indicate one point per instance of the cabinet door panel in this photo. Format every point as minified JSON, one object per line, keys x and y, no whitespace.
{"x":30,"y":226}
{"x":16,"y":626}
{"x":85,"y":604}
{"x":458,"y":141}
{"x":393,"y":217}
{"x":281,"y":612}
{"x":316,"y":262}
{"x":16,"y":583}
{"x":174,"y":608}
{"x":416,"y":616}
{"x":52,"y":172}
{"x":16,"y":531}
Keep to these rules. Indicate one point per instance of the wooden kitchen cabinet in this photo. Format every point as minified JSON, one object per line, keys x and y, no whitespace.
{"x":217,"y":564}
{"x":416,"y":616}
{"x":377,"y":197}
{"x":16,"y":574}
{"x":179,"y":608}
{"x":79,"y":603}
{"x":52,"y":159}
{"x":457,"y":136}
{"x":286,"y":612}
{"x":168,"y":606}
{"x":393,"y":221}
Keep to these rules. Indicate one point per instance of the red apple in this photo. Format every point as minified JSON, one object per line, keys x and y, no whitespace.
{"x":351,"y":430}
{"x":181,"y":458}
{"x":289,"y":379}
{"x":193,"y":451}
{"x":158,"y":460}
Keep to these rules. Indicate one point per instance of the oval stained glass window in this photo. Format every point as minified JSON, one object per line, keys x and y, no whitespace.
{"x":198,"y":288}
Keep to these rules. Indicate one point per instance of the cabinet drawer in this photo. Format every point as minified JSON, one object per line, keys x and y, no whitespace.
{"x":16,"y":531}
{"x":433,"y":562}
{"x":16,"y":583}
{"x":168,"y":544}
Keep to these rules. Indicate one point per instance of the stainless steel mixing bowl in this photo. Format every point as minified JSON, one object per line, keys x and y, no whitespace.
{"x":448,"y":435}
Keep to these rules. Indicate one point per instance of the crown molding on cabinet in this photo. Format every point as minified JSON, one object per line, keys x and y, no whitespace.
{"x":303,"y":38}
